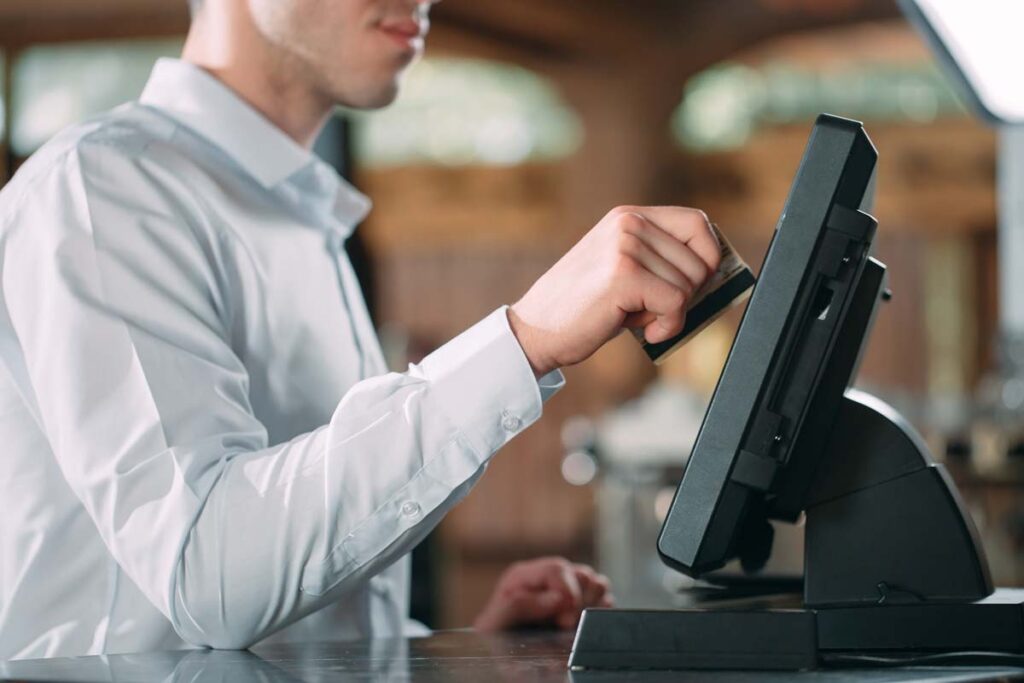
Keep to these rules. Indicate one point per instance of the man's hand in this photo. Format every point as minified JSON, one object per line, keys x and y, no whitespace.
{"x":546,"y":591}
{"x":638,"y":267}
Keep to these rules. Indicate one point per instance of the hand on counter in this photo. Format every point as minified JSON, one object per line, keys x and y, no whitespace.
{"x":546,"y":591}
{"x":637,"y":268}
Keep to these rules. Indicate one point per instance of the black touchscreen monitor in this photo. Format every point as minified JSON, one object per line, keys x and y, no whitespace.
{"x":757,"y":451}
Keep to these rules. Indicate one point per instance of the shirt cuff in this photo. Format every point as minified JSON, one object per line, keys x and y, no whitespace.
{"x":485,"y":384}
{"x":550,"y":384}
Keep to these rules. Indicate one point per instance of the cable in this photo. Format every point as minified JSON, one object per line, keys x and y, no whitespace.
{"x":965,"y":658}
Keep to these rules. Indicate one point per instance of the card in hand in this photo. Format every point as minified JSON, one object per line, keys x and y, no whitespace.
{"x":731,"y":284}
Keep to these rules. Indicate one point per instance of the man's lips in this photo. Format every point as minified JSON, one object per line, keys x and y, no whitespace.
{"x":406,"y":31}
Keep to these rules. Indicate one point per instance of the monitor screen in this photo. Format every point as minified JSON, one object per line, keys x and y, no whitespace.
{"x":760,"y":442}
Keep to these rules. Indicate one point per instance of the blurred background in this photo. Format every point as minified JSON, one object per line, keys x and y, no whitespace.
{"x":530,"y":119}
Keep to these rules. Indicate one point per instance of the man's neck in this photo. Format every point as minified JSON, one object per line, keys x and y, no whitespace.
{"x":267,"y":82}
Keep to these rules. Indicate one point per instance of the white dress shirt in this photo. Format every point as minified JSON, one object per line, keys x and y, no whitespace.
{"x":200,"y":441}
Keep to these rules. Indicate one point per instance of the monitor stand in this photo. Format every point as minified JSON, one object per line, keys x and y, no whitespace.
{"x":892,"y":565}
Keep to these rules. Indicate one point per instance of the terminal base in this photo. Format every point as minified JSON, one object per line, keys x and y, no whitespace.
{"x":623,"y":639}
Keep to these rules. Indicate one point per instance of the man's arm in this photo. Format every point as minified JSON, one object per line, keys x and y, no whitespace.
{"x":122,"y":321}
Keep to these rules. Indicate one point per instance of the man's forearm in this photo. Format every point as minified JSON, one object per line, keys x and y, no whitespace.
{"x":287,"y":530}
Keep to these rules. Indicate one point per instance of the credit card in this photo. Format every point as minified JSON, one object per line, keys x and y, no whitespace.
{"x":731,"y":284}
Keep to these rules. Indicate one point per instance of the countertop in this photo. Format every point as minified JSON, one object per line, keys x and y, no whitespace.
{"x":450,"y":656}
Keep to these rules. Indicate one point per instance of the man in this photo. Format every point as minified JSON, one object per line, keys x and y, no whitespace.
{"x":201,"y":443}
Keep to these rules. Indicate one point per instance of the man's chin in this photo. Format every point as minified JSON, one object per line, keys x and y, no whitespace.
{"x":376,"y":97}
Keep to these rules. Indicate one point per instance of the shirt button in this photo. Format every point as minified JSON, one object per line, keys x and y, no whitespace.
{"x":411,"y":509}
{"x":510,"y":422}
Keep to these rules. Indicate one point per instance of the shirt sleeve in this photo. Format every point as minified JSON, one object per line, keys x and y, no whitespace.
{"x":112,"y":291}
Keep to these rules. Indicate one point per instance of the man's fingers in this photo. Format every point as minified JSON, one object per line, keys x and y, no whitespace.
{"x":664,"y":266}
{"x":689,"y":226}
{"x":664,"y":328}
{"x":561,"y":578}
{"x":666,"y":301}
{"x":548,"y":590}
{"x":638,"y":247}
{"x":594,"y":586}
{"x":534,"y":606}
{"x":549,"y":574}
{"x":682,"y":258}
{"x":567,"y":621}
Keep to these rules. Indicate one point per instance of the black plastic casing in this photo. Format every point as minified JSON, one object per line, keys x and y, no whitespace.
{"x":751,"y":458}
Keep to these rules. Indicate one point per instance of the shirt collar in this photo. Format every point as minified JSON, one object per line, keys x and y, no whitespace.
{"x":199,"y":101}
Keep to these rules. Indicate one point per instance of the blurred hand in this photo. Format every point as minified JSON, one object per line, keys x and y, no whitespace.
{"x":637,"y":268}
{"x":546,"y":591}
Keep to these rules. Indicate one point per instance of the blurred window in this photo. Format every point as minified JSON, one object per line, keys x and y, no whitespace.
{"x":467,"y":112}
{"x":723,"y":105}
{"x":57,"y":85}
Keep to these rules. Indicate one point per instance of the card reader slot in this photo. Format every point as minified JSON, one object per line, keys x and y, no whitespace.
{"x":802,"y":371}
{"x":770,"y":433}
